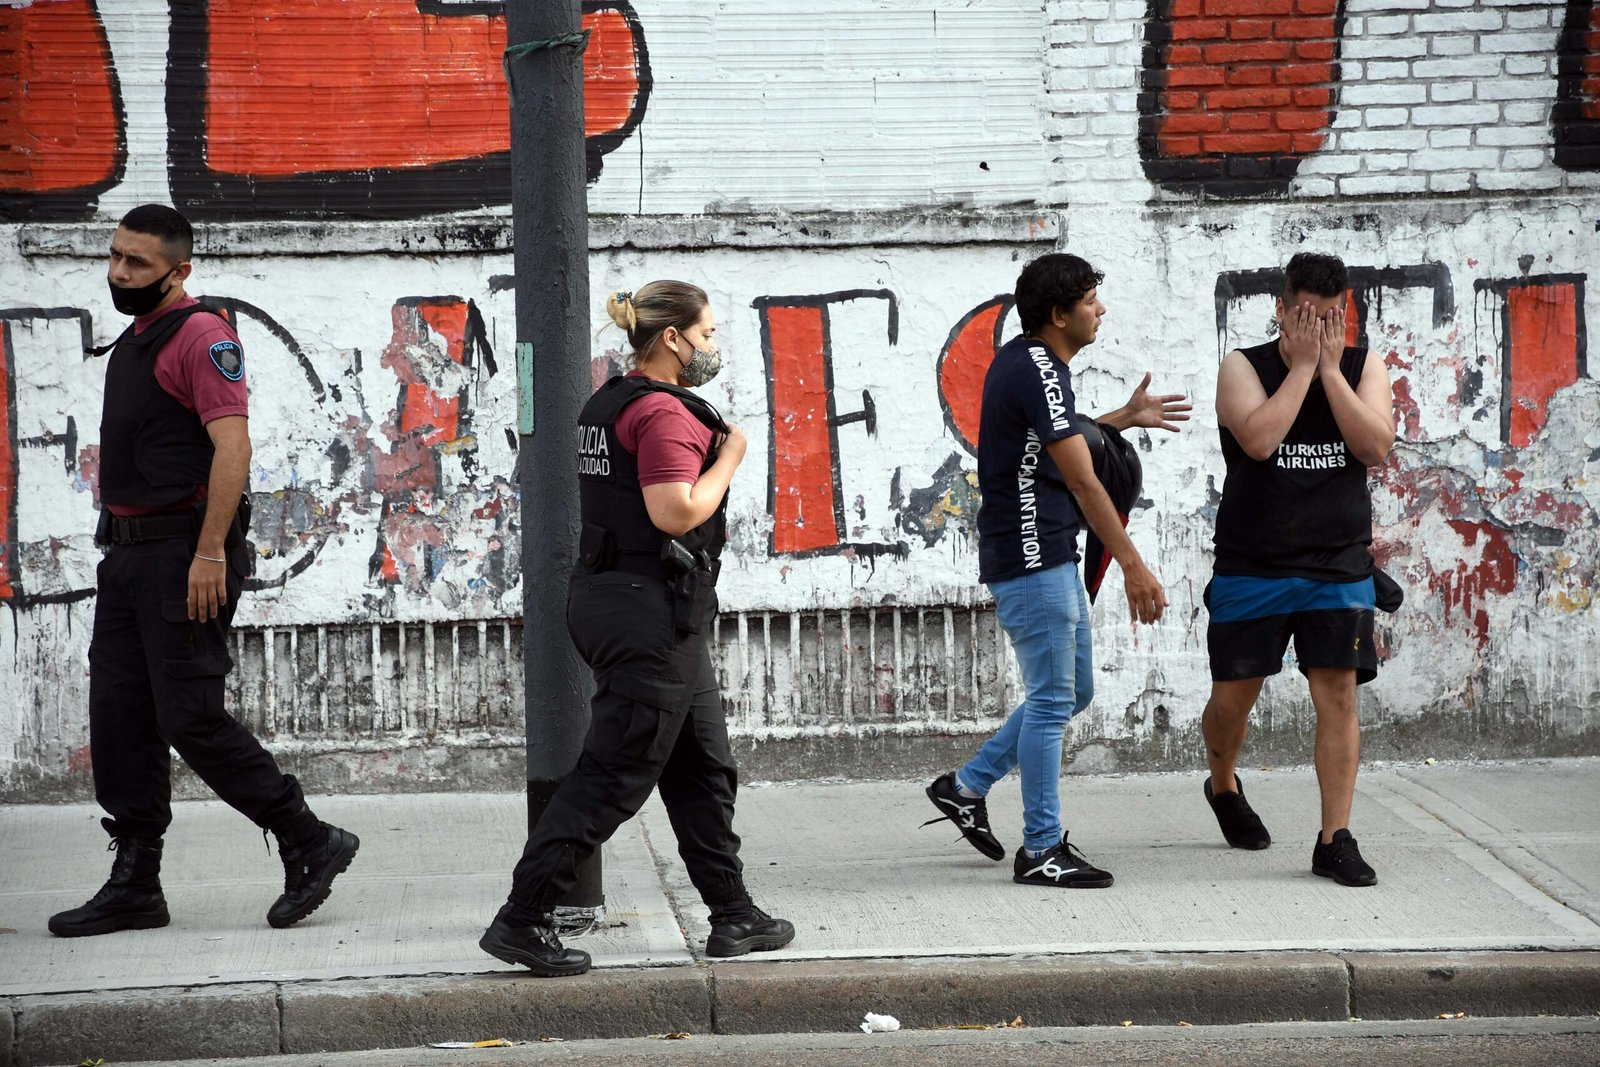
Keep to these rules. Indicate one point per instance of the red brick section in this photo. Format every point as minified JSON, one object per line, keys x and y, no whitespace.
{"x":1575,"y":118}
{"x":59,"y":127}
{"x":1589,"y":42}
{"x":1237,"y":91}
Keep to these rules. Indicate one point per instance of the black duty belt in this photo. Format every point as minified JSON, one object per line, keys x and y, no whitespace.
{"x":134,"y":529}
{"x":643,"y":563}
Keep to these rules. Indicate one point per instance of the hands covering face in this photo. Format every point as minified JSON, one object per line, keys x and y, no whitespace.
{"x":1311,"y":340}
{"x":1332,"y":347}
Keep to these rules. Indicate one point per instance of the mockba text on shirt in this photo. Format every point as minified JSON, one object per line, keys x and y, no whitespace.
{"x":1329,"y":455}
{"x":594,"y":454}
{"x":1051,"y":381}
{"x":1027,"y":503}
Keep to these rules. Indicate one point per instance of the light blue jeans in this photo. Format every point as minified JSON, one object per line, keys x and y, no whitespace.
{"x":1046,"y":615}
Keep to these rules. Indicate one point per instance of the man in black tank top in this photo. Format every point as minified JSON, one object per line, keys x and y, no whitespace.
{"x":1301,"y":420}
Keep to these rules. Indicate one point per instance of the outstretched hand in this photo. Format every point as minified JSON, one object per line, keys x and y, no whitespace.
{"x":1157,"y":412}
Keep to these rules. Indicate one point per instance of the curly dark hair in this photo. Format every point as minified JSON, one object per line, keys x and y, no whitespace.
{"x":1051,"y":281}
{"x":1314,"y":272}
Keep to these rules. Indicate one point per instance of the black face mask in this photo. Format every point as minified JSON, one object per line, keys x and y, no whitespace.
{"x":138,"y":300}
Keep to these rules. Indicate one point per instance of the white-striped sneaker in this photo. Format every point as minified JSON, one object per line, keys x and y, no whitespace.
{"x":1063,"y":867}
{"x":970,"y":814}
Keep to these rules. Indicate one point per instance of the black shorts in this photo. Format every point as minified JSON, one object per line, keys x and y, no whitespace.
{"x":1261,"y":615}
{"x":1336,"y":639}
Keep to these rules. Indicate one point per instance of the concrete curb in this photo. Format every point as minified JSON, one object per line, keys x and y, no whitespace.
{"x":813,"y":997}
{"x":148,"y":1024}
{"x":340,"y":1016}
{"x":753,"y":997}
{"x":1427,"y":984}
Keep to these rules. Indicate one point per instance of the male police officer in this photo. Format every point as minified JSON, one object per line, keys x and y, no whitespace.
{"x":174,"y":456}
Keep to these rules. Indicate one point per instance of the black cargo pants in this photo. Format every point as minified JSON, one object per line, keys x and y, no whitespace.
{"x":156,"y":680}
{"x":656,"y":721}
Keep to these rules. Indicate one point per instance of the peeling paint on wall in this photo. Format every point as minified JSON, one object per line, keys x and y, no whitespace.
{"x":382,"y":619}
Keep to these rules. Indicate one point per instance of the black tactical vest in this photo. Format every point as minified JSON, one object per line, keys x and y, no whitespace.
{"x":1305,"y":511}
{"x":610,"y":496}
{"x":154,"y":452}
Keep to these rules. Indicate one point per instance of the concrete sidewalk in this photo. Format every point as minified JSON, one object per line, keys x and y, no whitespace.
{"x":1488,"y":903}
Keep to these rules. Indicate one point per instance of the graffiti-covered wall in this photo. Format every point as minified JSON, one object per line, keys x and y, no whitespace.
{"x":856,"y":184}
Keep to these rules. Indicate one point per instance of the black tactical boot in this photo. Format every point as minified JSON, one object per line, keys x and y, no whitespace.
{"x":741,"y":927}
{"x":531,"y":941}
{"x":314,"y":854}
{"x":131,"y":898}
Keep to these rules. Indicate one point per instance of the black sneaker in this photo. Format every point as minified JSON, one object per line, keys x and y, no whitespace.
{"x":758,"y":933}
{"x":1063,"y":867}
{"x":970,"y":815}
{"x":1341,"y":860}
{"x":1241,"y":826}
{"x":309,"y":868}
{"x":535,"y":947}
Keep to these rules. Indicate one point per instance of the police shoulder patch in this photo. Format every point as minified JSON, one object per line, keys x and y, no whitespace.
{"x":229,"y":359}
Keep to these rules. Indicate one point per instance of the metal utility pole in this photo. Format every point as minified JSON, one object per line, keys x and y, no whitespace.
{"x":550,"y":214}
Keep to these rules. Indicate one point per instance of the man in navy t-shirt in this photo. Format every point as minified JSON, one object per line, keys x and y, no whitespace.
{"x":1037,"y":477}
{"x":1028,"y":521}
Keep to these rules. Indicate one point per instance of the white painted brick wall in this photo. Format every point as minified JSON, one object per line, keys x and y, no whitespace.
{"x":1443,"y":97}
{"x":1435,"y":96}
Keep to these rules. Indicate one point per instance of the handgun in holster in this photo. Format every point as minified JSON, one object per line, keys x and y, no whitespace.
{"x":692,"y":585}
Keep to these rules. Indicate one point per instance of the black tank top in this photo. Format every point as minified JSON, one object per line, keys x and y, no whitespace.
{"x":1304,"y":512}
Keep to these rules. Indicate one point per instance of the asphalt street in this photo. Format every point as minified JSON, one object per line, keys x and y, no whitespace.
{"x":1454,"y":1043}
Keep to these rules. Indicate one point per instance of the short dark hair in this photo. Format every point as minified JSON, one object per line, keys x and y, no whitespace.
{"x":1314,"y":272}
{"x":161,"y":221}
{"x":1054,"y":280}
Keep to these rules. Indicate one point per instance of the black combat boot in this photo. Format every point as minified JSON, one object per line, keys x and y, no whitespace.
{"x":738,"y":927}
{"x":525,"y":937}
{"x":314,"y":854}
{"x":131,"y":898}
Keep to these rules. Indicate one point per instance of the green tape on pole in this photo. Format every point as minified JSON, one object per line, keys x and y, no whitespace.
{"x":525,"y":388}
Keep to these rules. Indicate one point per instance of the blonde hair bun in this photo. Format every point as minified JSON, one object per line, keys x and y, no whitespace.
{"x":644,"y":315}
{"x":619,"y":305}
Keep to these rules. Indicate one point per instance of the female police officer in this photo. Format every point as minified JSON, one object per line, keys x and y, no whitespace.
{"x":654,"y":463}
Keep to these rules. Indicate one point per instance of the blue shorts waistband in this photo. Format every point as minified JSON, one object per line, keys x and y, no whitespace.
{"x":1235,"y":598}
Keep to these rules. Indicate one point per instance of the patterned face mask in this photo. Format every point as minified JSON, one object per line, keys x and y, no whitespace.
{"x":702,"y":366}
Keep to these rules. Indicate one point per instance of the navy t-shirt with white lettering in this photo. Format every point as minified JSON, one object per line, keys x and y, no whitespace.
{"x":1028,"y":520}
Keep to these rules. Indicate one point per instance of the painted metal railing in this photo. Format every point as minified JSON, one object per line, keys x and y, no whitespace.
{"x":783,"y":674}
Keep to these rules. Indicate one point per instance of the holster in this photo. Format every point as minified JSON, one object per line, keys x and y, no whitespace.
{"x":691,"y":600}
{"x":241,"y":517}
